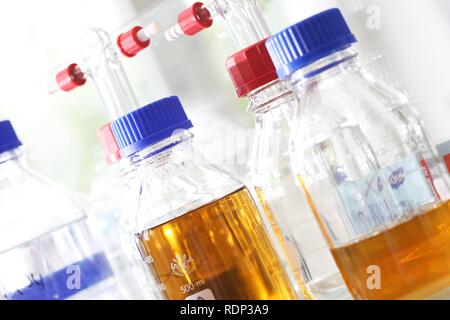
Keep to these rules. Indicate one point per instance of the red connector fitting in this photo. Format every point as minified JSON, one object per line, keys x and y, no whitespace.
{"x":70,"y":78}
{"x":130,"y":44}
{"x":195,"y":19}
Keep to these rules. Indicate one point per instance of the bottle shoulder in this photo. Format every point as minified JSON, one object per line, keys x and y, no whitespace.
{"x":332,"y":107}
{"x":32,"y":205}
{"x":357,"y":86}
{"x":180,"y":187}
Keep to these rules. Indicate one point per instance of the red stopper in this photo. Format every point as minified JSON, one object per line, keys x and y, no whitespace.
{"x":70,"y":78}
{"x":129,"y":42}
{"x":447,"y":162}
{"x":109,"y":143}
{"x":195,"y":19}
{"x":251,"y":68}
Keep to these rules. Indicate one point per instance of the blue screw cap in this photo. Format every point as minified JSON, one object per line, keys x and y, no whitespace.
{"x":8,"y":137}
{"x":308,"y":41}
{"x":150,"y":125}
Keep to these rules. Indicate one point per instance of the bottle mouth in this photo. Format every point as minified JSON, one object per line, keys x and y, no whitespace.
{"x":12,"y":154}
{"x":10,"y":147}
{"x":161,"y":147}
{"x":270,"y":97}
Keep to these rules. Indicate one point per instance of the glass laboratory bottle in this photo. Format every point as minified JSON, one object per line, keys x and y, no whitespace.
{"x":197,"y":227}
{"x":47,"y":251}
{"x":381,"y":204}
{"x":272,"y":106}
{"x":110,"y":202}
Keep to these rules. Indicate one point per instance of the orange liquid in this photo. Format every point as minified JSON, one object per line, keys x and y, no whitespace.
{"x":413,"y":260}
{"x":222,"y":249}
{"x":287,"y":249}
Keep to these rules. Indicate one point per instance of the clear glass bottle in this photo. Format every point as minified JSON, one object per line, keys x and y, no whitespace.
{"x":47,"y":251}
{"x":273,"y":106}
{"x":376,"y":189}
{"x":197,"y":227}
{"x":110,"y":202}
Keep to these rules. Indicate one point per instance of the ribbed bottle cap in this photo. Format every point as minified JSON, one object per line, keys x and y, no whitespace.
{"x":308,"y":41}
{"x":150,"y":125}
{"x":109,"y":143}
{"x":8,"y":137}
{"x":251,"y":68}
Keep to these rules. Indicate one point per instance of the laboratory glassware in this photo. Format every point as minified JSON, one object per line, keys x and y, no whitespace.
{"x":47,"y":250}
{"x":273,"y":105}
{"x":371,"y":179}
{"x":197,"y":226}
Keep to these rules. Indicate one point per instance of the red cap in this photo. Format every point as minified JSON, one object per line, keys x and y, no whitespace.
{"x":195,"y":19}
{"x":251,"y":68}
{"x":70,"y":78}
{"x":109,"y":143}
{"x":447,"y":161}
{"x":129,"y":43}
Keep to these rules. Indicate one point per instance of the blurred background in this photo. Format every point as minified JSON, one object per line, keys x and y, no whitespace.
{"x":409,"y":41}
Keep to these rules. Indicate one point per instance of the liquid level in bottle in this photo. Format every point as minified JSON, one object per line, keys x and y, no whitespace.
{"x":409,"y":261}
{"x":292,"y":259}
{"x":220,"y":251}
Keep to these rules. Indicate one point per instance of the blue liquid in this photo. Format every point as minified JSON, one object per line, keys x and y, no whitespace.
{"x":67,"y":282}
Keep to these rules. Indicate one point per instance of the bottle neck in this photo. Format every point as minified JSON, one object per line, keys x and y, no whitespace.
{"x":159,"y":154}
{"x":11,"y":155}
{"x":269,"y":98}
{"x":122,"y":169}
{"x":11,"y":162}
{"x":325,"y":68}
{"x":273,"y":108}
